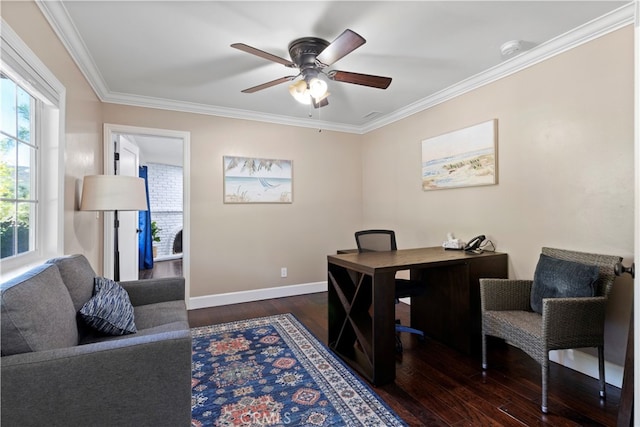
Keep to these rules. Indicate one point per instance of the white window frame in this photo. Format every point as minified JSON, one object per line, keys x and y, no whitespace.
{"x":25,"y":68}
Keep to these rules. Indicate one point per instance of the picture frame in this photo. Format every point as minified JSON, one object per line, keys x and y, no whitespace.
{"x":463,"y":158}
{"x":257,"y":180}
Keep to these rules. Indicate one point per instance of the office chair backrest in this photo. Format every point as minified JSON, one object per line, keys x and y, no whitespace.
{"x":376,"y":240}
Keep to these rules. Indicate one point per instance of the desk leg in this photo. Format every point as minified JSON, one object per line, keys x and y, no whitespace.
{"x":383,"y":308}
{"x":361,"y":321}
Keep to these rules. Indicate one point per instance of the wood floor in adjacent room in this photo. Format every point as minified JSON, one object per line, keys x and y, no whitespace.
{"x":438,"y":386}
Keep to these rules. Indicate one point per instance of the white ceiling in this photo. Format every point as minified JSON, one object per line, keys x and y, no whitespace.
{"x":158,"y":149}
{"x":176,"y":54}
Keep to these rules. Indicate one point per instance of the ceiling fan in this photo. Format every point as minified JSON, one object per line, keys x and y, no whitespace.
{"x":311,"y":55}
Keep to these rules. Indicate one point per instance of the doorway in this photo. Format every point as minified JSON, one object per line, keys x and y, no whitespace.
{"x":164,"y":152}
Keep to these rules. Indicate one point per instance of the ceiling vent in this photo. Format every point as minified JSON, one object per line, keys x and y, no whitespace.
{"x":371,"y":115}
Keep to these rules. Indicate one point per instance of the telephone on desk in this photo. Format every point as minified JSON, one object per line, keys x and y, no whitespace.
{"x":474,"y":244}
{"x":456,"y":244}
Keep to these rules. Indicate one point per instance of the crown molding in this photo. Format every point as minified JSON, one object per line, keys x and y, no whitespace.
{"x":58,"y":17}
{"x":211,"y":110}
{"x":589,"y":31}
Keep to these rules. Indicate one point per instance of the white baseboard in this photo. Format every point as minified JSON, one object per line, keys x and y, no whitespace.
{"x":588,"y":365}
{"x":255,"y":295}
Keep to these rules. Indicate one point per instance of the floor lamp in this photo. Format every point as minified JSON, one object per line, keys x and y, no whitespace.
{"x":114,"y":193}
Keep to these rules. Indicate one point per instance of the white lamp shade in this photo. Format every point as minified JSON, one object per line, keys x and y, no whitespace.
{"x":113,"y":193}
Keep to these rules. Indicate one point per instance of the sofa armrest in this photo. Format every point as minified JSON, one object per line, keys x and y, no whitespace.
{"x":152,"y":291}
{"x":142,"y":380}
{"x":565,"y":320}
{"x":505,"y":294}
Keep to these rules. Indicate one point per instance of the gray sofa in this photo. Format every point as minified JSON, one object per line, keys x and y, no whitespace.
{"x":56,"y":371}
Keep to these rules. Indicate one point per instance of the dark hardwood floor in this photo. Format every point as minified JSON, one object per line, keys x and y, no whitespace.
{"x":168,"y":268}
{"x":438,"y":386}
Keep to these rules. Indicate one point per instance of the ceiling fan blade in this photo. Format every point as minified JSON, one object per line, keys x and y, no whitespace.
{"x":344,"y":44}
{"x":269,"y":84}
{"x":262,"y":54}
{"x":360,"y":79}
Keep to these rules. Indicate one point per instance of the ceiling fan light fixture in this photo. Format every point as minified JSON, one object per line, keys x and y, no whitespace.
{"x":311,"y":56}
{"x":300,"y":92}
{"x":317,"y":87}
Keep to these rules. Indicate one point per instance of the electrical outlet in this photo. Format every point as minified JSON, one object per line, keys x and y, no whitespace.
{"x":283,"y":272}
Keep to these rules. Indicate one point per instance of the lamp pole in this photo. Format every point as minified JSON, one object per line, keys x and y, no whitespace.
{"x":116,"y":253}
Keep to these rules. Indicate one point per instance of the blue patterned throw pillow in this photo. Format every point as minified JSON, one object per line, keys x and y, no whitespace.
{"x":109,"y":310}
{"x":557,"y":278}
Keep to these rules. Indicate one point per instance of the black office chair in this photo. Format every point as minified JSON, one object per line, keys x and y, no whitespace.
{"x":385,"y":240}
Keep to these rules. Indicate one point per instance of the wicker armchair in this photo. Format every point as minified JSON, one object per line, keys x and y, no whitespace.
{"x":565,"y":322}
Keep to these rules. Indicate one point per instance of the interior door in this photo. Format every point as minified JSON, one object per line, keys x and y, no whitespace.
{"x":128,"y":233}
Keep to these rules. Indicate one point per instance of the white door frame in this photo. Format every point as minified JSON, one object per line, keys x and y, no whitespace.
{"x":109,"y":131}
{"x":636,"y":284}
{"x":129,"y":165}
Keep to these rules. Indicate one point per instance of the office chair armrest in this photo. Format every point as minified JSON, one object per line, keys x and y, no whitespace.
{"x":505,"y":294}
{"x":573,"y":322}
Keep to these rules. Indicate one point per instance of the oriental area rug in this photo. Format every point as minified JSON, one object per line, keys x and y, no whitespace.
{"x":271,"y":371}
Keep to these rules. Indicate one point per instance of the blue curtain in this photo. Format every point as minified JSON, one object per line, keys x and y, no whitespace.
{"x":145,"y":245}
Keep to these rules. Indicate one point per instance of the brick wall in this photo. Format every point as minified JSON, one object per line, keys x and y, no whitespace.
{"x":165,"y":200}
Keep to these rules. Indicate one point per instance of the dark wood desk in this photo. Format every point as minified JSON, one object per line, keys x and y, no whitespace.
{"x":362,"y":309}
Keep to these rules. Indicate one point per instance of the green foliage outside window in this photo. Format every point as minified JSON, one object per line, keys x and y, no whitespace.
{"x":17,"y":161}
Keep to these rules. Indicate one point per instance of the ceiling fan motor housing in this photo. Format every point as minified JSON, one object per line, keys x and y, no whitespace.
{"x":303,"y":53}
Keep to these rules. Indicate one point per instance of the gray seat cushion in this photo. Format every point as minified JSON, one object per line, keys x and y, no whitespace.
{"x":150,"y":319}
{"x":153,"y":315}
{"x":78,"y":276}
{"x":37,"y":312}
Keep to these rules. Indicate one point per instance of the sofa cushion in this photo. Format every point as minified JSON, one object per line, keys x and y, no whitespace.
{"x":151,"y":319}
{"x":37,"y":312}
{"x":78,"y":276}
{"x":109,"y":310}
{"x":557,"y":278}
{"x":152,"y":315}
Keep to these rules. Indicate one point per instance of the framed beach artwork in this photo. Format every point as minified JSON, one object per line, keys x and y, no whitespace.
{"x":462,"y":158}
{"x":257,"y":180}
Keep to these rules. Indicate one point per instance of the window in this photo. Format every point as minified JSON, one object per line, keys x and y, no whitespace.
{"x":31,"y":158}
{"x":18,"y":169}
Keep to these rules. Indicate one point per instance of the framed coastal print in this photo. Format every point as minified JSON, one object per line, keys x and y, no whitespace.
{"x":257,"y":180}
{"x":462,"y":158}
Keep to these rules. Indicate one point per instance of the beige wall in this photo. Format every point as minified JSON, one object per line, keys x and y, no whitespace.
{"x":83,"y":153}
{"x":566,"y":170}
{"x":242,"y":247}
{"x":233,"y":247}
